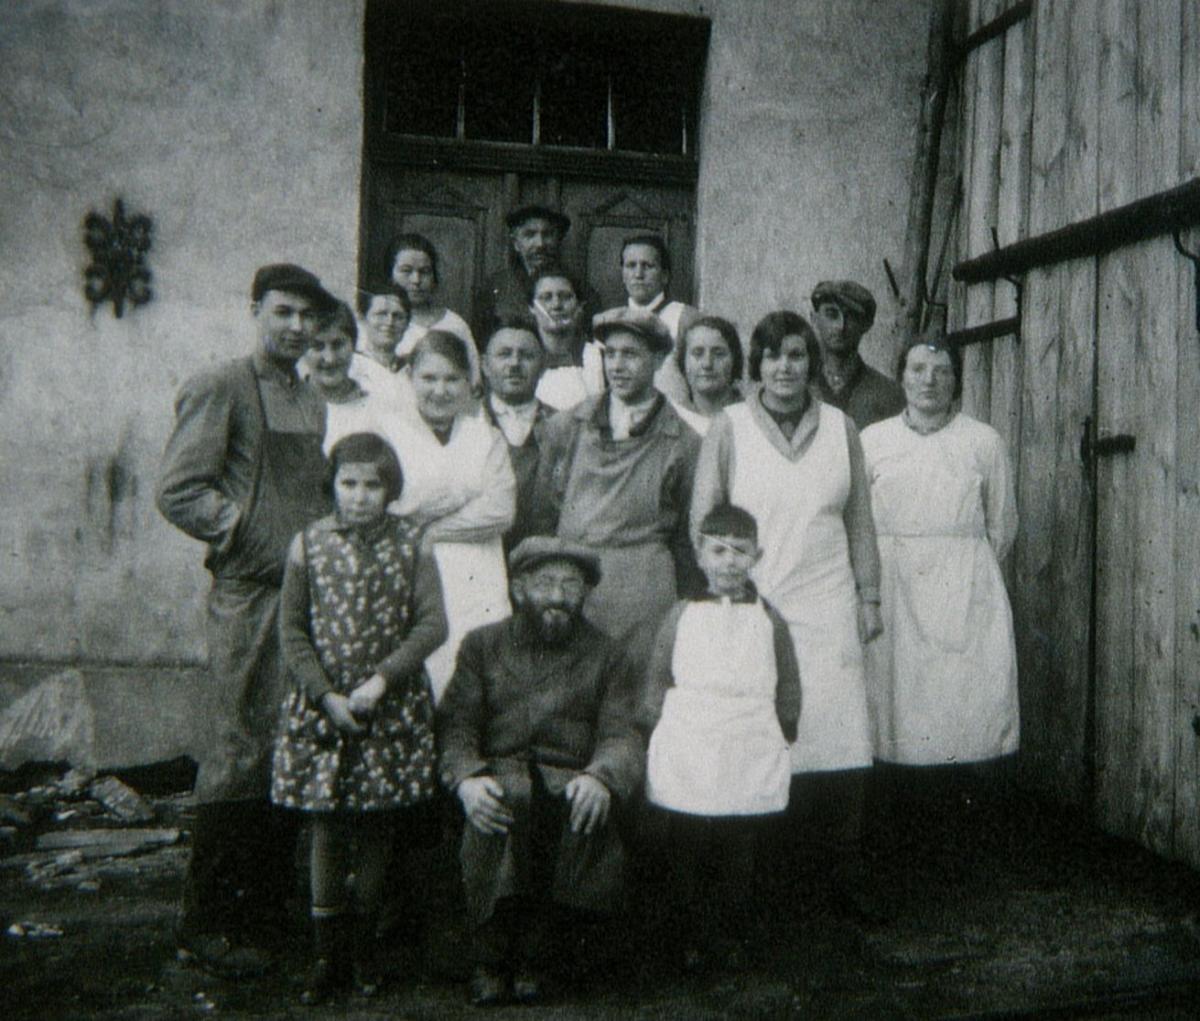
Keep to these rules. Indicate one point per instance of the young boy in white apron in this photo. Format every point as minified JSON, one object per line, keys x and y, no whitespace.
{"x":723,"y":699}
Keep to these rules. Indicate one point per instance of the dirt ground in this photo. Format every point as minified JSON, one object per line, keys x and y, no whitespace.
{"x":1015,"y":911}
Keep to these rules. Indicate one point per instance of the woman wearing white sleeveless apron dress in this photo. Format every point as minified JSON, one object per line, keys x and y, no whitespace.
{"x":797,"y":466}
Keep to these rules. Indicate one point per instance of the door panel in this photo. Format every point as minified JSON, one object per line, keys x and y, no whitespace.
{"x":455,"y":214}
{"x":463,"y":214}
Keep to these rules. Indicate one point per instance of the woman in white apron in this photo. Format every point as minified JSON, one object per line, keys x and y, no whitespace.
{"x":796,"y":464}
{"x":943,"y":679}
{"x":459,"y":482}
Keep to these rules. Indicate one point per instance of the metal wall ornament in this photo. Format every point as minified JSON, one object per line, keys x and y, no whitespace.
{"x":118,"y":271}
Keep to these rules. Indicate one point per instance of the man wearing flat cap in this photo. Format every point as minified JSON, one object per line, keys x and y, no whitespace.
{"x":243,"y":472}
{"x":843,"y":311}
{"x":536,"y":739}
{"x":616,"y":475}
{"x":535,"y":239}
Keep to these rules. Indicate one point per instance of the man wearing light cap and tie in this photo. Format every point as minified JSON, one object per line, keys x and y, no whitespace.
{"x":843,"y":311}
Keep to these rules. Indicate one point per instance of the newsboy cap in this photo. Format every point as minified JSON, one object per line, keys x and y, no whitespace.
{"x":639,"y":322}
{"x":293,"y":279}
{"x":537,"y":212}
{"x":854,"y":298}
{"x":539,"y":549}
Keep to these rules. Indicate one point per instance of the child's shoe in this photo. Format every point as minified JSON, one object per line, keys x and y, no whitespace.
{"x":487,"y":986}
{"x":527,"y":985}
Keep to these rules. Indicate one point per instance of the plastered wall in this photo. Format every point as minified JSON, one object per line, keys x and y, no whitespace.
{"x":236,"y":126}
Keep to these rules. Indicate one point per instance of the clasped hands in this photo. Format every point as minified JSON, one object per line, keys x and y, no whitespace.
{"x":350,"y":713}
{"x":483,"y":804}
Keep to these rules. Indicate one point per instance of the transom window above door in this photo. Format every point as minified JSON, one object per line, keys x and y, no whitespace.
{"x":538,"y":74}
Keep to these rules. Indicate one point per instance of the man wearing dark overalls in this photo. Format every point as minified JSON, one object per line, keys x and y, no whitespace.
{"x":243,"y":472}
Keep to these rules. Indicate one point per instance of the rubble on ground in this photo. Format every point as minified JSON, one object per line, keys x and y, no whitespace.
{"x":69,"y":827}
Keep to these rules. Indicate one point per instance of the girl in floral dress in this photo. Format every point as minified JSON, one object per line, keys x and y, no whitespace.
{"x":360,"y":610}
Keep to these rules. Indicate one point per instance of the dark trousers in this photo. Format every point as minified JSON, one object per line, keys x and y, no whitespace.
{"x":941,"y":808}
{"x":520,"y":929}
{"x":242,"y":869}
{"x":712,"y":876}
{"x":819,"y":838}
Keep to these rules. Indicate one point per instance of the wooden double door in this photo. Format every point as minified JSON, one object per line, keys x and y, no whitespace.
{"x":463,"y":213}
{"x":1106,"y":581}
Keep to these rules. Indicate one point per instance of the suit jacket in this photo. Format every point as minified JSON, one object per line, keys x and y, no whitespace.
{"x":516,"y":705}
{"x":524,"y":460}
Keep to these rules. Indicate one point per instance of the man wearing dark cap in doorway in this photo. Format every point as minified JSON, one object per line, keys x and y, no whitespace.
{"x":536,"y":739}
{"x":243,"y":472}
{"x":535,"y":238}
{"x":842,"y":312}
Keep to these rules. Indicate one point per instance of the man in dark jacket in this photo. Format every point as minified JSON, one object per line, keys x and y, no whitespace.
{"x":513,"y":362}
{"x":843,"y":311}
{"x":243,"y":472}
{"x":537,"y":741}
{"x":535,"y":240}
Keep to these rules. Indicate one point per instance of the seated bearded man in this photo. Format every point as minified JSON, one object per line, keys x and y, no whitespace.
{"x":536,"y":741}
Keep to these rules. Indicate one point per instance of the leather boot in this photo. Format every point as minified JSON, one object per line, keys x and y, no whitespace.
{"x":367,"y":976}
{"x":328,"y":968}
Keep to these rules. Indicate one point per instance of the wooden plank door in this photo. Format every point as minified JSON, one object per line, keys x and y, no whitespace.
{"x":462,"y":212}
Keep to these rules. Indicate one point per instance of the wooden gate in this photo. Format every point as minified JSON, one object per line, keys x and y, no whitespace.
{"x":1070,"y":119}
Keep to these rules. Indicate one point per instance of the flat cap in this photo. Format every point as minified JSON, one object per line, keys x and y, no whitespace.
{"x":292,"y":279}
{"x":639,"y":322}
{"x":854,"y":298}
{"x":537,"y":212}
{"x":538,"y":549}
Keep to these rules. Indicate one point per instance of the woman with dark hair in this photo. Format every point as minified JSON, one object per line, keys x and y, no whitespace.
{"x":459,"y":484}
{"x":943,"y":681}
{"x":412,"y":264}
{"x":709,"y":357}
{"x":797,"y":465}
{"x":574,"y":369}
{"x":646,"y":277}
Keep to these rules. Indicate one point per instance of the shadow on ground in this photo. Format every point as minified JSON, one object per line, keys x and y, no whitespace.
{"x":1020,"y":911}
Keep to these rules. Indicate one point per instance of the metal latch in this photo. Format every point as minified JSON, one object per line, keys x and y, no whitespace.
{"x":1103,"y":446}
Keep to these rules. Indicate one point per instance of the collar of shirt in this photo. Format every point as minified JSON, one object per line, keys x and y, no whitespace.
{"x":514,"y":420}
{"x":626,"y":420}
{"x":805,"y":429}
{"x":266,"y":367}
{"x":655,"y":304}
{"x":748,"y":595}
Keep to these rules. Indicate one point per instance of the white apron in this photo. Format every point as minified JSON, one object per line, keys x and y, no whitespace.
{"x":943,"y":675}
{"x":805,"y":574}
{"x":718,"y":749}
{"x":438,"y":480}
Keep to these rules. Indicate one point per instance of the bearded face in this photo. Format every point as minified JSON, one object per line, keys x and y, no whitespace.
{"x":550,"y":597}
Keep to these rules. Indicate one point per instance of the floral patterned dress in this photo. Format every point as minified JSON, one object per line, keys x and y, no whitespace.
{"x":360,"y":606}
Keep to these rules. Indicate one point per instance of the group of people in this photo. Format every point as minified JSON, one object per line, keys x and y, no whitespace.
{"x":611,"y":579}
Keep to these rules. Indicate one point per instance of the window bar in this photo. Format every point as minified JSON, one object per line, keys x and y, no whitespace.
{"x":612,"y":121}
{"x":683,"y":116}
{"x":537,"y":110}
{"x":460,"y":116}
